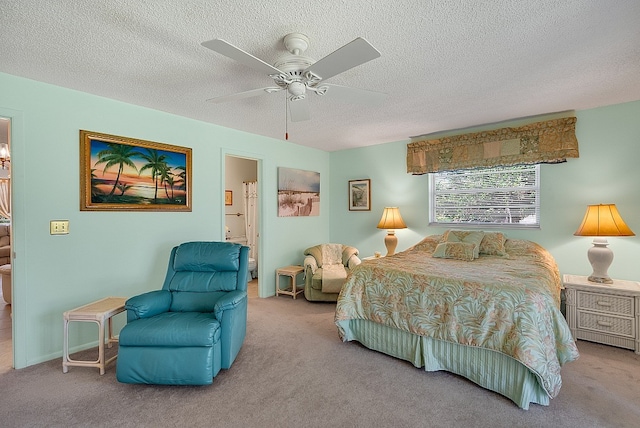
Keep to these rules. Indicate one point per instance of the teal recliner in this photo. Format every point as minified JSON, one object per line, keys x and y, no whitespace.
{"x":186,"y":332}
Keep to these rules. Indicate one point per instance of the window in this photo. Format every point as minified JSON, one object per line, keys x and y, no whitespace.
{"x":506,"y":197}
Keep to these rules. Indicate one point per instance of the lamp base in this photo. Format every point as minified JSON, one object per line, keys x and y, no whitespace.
{"x":600,"y":257}
{"x":391,"y":242}
{"x":600,"y":280}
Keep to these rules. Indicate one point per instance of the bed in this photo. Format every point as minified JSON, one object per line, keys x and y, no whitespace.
{"x":489,"y":311}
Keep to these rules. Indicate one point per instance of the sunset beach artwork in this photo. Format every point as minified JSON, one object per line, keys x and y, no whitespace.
{"x":119,"y":173}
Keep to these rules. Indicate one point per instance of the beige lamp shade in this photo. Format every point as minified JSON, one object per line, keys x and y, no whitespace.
{"x":603,"y":220}
{"x":600,"y":221}
{"x":391,"y":220}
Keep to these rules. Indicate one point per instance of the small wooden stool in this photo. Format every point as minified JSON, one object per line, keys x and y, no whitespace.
{"x":292,"y":272}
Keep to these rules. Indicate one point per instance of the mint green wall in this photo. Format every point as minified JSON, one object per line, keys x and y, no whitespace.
{"x":607,"y":171}
{"x":123,"y":253}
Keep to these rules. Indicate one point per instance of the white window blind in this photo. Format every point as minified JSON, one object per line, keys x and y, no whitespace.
{"x":506,"y":197}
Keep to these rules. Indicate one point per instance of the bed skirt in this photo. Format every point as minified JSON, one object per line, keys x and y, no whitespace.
{"x":490,"y":369}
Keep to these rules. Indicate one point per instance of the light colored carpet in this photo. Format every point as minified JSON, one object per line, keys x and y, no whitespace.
{"x":293,"y":371}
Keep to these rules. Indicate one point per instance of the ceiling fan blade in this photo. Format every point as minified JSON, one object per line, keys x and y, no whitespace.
{"x":246,"y":94}
{"x":350,"y":55}
{"x":299,"y":110}
{"x":228,"y":50}
{"x":352,"y":95}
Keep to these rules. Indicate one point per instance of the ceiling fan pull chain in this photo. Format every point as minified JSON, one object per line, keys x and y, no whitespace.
{"x":286,"y":122}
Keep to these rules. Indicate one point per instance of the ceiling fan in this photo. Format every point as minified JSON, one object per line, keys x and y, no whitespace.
{"x":299,"y":75}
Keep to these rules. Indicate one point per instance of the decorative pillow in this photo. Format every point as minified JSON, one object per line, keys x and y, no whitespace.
{"x":455,"y":250}
{"x":331,"y":254}
{"x":470,"y":236}
{"x":428,"y":244}
{"x":493,"y":244}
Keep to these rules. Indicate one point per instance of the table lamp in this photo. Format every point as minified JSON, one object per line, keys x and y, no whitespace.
{"x":391,"y":220}
{"x":600,"y":221}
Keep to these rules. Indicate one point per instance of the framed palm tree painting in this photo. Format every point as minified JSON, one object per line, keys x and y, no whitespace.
{"x":127,"y":174}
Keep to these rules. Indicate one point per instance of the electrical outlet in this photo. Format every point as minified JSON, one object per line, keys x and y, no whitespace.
{"x":59,"y":227}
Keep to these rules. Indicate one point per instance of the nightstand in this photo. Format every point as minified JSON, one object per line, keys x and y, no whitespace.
{"x":604,"y":313}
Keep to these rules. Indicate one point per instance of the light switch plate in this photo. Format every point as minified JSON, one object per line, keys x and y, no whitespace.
{"x":59,"y":227}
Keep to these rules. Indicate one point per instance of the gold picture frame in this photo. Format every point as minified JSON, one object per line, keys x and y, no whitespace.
{"x":228,"y":197}
{"x":128,"y":174}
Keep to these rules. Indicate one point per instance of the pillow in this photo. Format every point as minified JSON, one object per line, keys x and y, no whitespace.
{"x":493,"y":244}
{"x":455,"y":250}
{"x":471,"y":236}
{"x":428,"y":244}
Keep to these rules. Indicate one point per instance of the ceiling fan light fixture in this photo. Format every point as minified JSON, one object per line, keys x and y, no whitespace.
{"x":297,"y":88}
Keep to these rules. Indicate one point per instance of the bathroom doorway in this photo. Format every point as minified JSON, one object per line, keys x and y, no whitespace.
{"x":241,"y":211}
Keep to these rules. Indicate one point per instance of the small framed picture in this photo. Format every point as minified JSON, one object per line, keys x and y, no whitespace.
{"x":228,"y":197}
{"x":360,"y":195}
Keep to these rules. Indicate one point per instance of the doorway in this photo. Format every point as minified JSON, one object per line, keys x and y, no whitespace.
{"x":6,"y":339}
{"x":241,"y":211}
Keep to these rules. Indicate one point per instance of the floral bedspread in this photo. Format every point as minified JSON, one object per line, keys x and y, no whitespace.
{"x":509,"y":304}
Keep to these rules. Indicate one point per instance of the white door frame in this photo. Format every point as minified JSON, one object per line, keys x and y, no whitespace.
{"x":18,"y":238}
{"x":259,"y":159}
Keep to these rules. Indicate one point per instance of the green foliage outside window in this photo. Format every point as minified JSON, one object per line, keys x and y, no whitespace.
{"x":501,"y":196}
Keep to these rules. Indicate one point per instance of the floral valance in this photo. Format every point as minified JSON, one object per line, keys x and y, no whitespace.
{"x":549,"y":141}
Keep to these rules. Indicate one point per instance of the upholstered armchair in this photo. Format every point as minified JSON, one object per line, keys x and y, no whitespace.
{"x":5,"y":244}
{"x":326,"y":267}
{"x":195,"y":325}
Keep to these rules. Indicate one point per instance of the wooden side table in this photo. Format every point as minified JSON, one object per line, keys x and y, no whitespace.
{"x":292,"y":272}
{"x":98,"y":312}
{"x":604,"y":313}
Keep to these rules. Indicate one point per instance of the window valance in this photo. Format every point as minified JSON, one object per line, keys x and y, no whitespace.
{"x":549,"y":141}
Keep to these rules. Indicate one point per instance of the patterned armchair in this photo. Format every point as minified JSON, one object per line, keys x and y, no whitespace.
{"x":195,"y":325}
{"x":326,"y":267}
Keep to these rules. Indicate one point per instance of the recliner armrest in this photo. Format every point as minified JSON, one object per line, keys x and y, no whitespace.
{"x":227,"y":302}
{"x":148,"y":304}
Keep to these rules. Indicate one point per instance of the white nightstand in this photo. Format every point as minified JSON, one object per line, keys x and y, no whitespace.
{"x":604,"y":313}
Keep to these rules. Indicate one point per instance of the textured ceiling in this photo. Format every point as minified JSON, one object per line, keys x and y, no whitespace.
{"x":445,"y":64}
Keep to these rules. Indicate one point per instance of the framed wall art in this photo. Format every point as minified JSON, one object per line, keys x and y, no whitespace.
{"x":360,"y":195}
{"x":127,"y":174}
{"x":298,"y":193}
{"x":228,"y":197}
